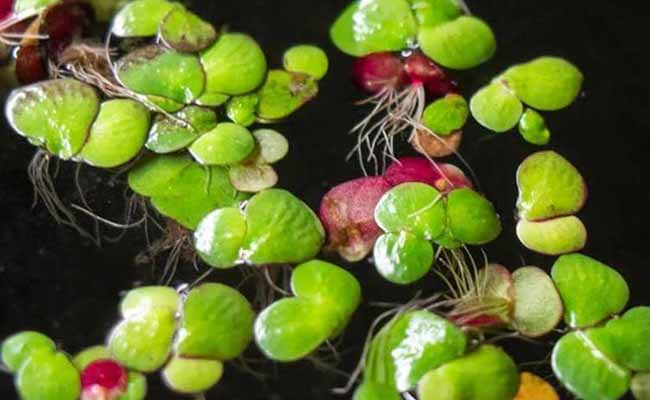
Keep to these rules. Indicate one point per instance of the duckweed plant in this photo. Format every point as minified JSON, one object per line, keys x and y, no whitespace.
{"x":183,"y":98}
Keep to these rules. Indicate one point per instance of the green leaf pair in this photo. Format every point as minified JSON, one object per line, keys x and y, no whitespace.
{"x":551,"y":190}
{"x":545,"y":83}
{"x":446,"y":115}
{"x":597,"y":361}
{"x":444,"y":34}
{"x":42,"y":372}
{"x":414,"y":214}
{"x":192,"y":336}
{"x":274,"y":228}
{"x":66,"y":117}
{"x":182,"y":189}
{"x":326,"y":296}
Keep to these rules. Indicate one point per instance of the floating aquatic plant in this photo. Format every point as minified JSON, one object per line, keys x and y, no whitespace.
{"x":551,"y":190}
{"x":372,"y":31}
{"x":545,"y":84}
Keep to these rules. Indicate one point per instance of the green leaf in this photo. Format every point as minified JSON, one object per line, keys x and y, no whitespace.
{"x":414,"y":207}
{"x":496,"y":107}
{"x":372,"y":26}
{"x":538,"y":306}
{"x":152,"y":175}
{"x":624,"y":340}
{"x":549,"y":186}
{"x":546,"y":83}
{"x":533,"y":129}
{"x":212,"y":99}
{"x":153,"y":70}
{"x":306,"y":59}
{"x":117,"y":135}
{"x":143,"y":342}
{"x":168,"y":135}
{"x":403,"y":258}
{"x":641,"y":386}
{"x":226,"y":144}
{"x":485,"y":374}
{"x":446,"y":115}
{"x":553,"y":237}
{"x":281,"y":229}
{"x":136,"y":388}
{"x":241,"y":109}
{"x":48,"y":376}
{"x":283,"y":93}
{"x":141,"y":18}
{"x":415,"y":343}
{"x":220,"y":236}
{"x":186,"y":375}
{"x":90,"y":355}
{"x":273,"y":145}
{"x":18,"y":348}
{"x":184,"y":31}
{"x":369,"y":390}
{"x":234,"y":64}
{"x":472,"y":218}
{"x":435,"y":12}
{"x":462,"y":43}
{"x":291,"y":329}
{"x":330,"y":286}
{"x":582,"y":283}
{"x":31,"y":6}
{"x":56,"y":114}
{"x":585,"y":371}
{"x":140,"y":300}
{"x":217,"y":323}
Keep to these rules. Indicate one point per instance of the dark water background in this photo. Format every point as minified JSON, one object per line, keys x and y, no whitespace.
{"x":53,"y":281}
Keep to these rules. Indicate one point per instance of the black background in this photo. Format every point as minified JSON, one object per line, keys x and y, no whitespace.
{"x":53,"y":281}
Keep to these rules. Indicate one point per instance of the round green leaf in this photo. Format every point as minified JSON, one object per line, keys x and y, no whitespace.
{"x":272,"y":144}
{"x":446,"y":115}
{"x":485,"y":374}
{"x":90,"y":355}
{"x":538,"y":306}
{"x":291,"y":329}
{"x":136,"y":388}
{"x":184,"y":31}
{"x":403,"y":258}
{"x":496,"y":107}
{"x":553,"y":237}
{"x":212,"y":99}
{"x":435,"y":12}
{"x":546,"y":83}
{"x":281,"y":229}
{"x":117,"y":135}
{"x":283,"y":93}
{"x":411,"y":345}
{"x":141,"y":18}
{"x":371,"y":26}
{"x":227,"y":144}
{"x":168,"y":135}
{"x":18,"y":348}
{"x":152,"y":175}
{"x":549,"y":186}
{"x":414,"y":207}
{"x":306,"y":59}
{"x":234,"y":64}
{"x":140,"y":300}
{"x":472,"y":218}
{"x":624,"y":340}
{"x":56,"y":114}
{"x":143,"y":341}
{"x":186,"y":375}
{"x":582,"y":283}
{"x":241,"y":109}
{"x":641,"y":386}
{"x":48,"y":376}
{"x":253,"y":178}
{"x":533,"y":129}
{"x":217,"y":323}
{"x":462,"y":43}
{"x":220,"y":236}
{"x":330,"y":286}
{"x":585,"y":371}
{"x":153,"y":70}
